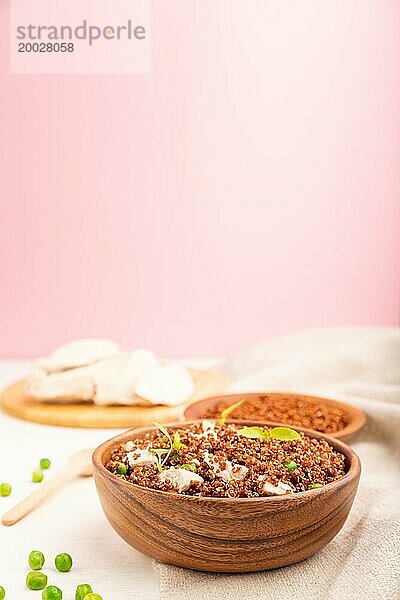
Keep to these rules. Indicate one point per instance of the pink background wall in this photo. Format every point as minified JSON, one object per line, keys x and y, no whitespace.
{"x":249,"y":186}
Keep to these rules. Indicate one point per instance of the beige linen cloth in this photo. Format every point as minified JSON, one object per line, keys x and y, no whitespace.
{"x":361,"y":366}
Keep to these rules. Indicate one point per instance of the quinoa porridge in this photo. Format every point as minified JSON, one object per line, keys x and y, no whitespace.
{"x":227,"y":461}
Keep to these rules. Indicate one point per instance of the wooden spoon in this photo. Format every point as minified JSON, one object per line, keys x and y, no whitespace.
{"x":79,"y":465}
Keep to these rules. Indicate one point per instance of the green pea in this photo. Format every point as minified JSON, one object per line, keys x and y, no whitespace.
{"x":5,"y":489}
{"x":2,"y":593}
{"x":290,"y":465}
{"x":45,"y":463}
{"x":36,"y":560}
{"x":315,"y":485}
{"x":82,"y":590}
{"x":121,"y":469}
{"x":52,"y":593}
{"x":92,"y":597}
{"x":63,"y":562}
{"x":37,"y":476}
{"x":35,"y":580}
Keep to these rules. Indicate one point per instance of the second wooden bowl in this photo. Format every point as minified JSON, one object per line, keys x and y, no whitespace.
{"x":356,"y":417}
{"x":224,"y":534}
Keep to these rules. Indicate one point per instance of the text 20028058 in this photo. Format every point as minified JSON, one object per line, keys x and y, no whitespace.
{"x":46,"y":47}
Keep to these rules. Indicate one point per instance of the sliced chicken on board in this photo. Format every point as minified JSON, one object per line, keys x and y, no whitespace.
{"x":115,"y":378}
{"x":168,"y":385}
{"x":78,"y":354}
{"x":74,"y":384}
{"x":96,"y":370}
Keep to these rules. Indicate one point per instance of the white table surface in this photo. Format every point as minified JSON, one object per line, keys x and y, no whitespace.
{"x":70,"y":521}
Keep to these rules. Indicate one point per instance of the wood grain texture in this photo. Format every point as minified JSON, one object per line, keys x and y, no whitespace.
{"x":357,"y":418}
{"x":225,"y":534}
{"x":16,"y":401}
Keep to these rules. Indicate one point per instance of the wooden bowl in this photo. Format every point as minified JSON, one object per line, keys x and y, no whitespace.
{"x":357,"y":419}
{"x":224,"y":534}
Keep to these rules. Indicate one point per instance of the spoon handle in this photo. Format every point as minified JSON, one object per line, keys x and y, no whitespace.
{"x":38,"y":496}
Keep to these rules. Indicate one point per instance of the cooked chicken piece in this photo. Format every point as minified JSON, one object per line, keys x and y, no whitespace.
{"x":115,"y":378}
{"x":181,"y":478}
{"x":208,"y":429}
{"x":170,"y":385}
{"x":232,"y":471}
{"x":141,"y":457}
{"x":280,"y":489}
{"x":77,"y":354}
{"x":74,"y":384}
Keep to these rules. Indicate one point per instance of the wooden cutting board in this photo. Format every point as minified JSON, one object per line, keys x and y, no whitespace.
{"x":16,"y":401}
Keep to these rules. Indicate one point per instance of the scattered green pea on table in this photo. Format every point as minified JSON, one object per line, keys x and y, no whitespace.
{"x":35,"y":580}
{"x":5,"y":490}
{"x":82,"y":590}
{"x":36,"y":560}
{"x":63,"y":562}
{"x":52,"y":593}
{"x":45,"y":463}
{"x":37,"y":476}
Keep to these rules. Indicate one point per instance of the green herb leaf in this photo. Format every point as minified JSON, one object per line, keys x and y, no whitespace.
{"x":162,"y":429}
{"x":277,"y":433}
{"x":315,"y":485}
{"x":177,"y":444}
{"x":254,"y":433}
{"x":159,"y":452}
{"x":165,"y":451}
{"x":189,"y":467}
{"x":284,"y":434}
{"x":290,"y":465}
{"x":225,"y":413}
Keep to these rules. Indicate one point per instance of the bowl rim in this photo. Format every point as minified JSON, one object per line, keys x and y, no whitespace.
{"x":353,"y":472}
{"x":358,"y":418}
